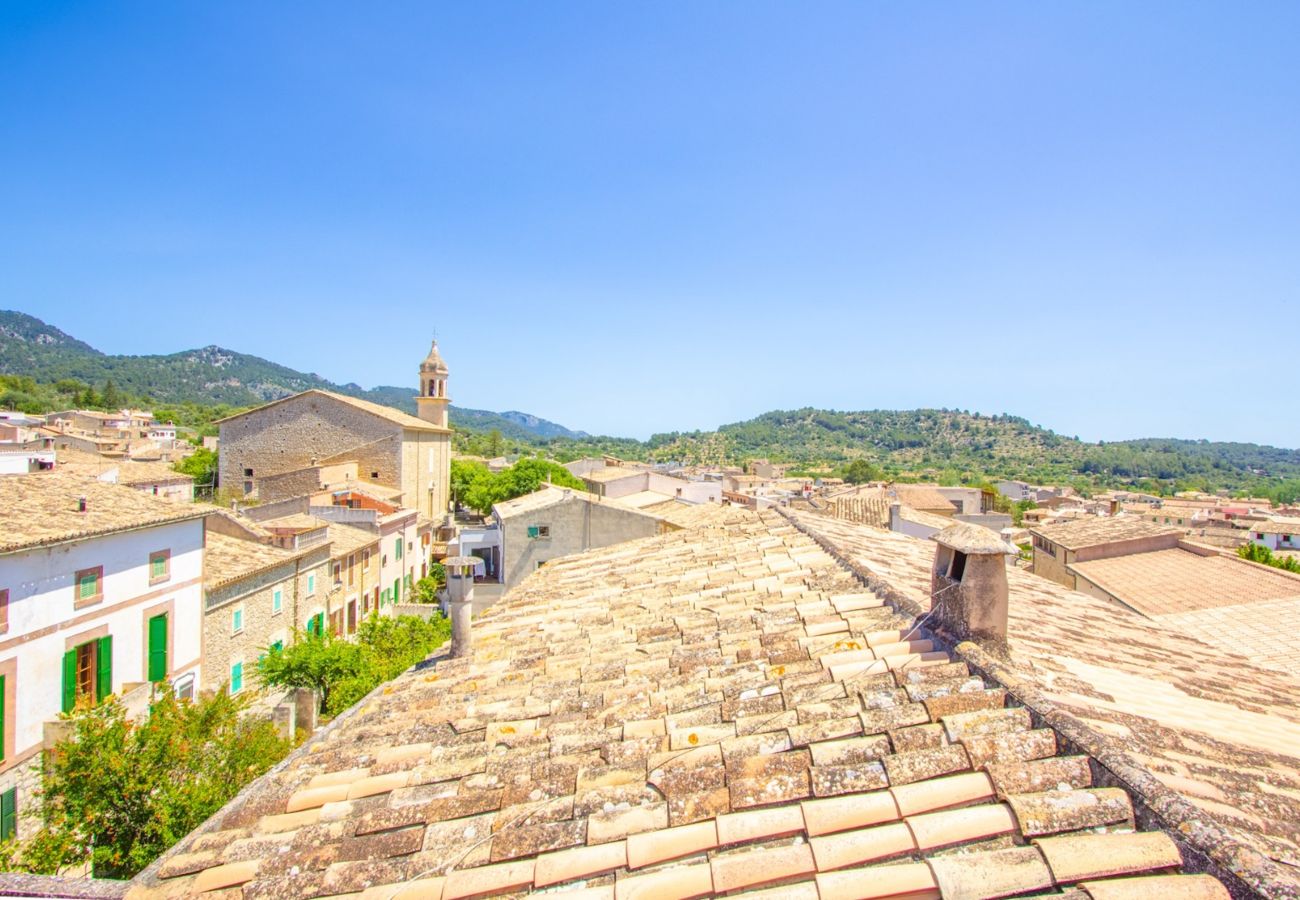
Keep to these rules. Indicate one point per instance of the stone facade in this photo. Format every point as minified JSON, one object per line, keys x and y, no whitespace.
{"x":578,"y":522}
{"x":316,"y":428}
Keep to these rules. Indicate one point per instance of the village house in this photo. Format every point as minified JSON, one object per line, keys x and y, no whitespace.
{"x":764,"y":703}
{"x":101,"y":592}
{"x":1276,"y":534}
{"x":555,"y":522}
{"x":254,"y":597}
{"x":1058,"y":547}
{"x":301,"y":437}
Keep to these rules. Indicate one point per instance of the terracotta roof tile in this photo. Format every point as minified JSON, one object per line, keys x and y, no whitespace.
{"x":1080,"y":857}
{"x":1157,"y":887}
{"x":912,"y":881}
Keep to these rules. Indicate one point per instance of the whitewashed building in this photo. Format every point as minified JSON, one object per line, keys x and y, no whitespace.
{"x":101,"y":592}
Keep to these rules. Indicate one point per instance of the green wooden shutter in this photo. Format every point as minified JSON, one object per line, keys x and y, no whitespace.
{"x":158,"y":648}
{"x":8,"y":814}
{"x":69,"y":680}
{"x":3,"y":713}
{"x":104,"y":675}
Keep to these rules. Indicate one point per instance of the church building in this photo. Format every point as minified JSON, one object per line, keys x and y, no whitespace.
{"x":292,"y":443}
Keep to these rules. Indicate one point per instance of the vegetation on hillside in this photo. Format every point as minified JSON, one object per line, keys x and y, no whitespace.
{"x":42,"y":368}
{"x":119,"y":792}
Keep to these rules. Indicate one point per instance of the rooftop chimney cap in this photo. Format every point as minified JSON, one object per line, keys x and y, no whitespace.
{"x":973,"y":540}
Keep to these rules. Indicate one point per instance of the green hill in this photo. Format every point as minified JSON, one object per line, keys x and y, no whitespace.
{"x":206,"y":377}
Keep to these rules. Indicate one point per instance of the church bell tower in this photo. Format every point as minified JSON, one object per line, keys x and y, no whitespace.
{"x":431,"y":405}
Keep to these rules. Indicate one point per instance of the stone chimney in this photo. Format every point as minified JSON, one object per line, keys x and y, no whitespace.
{"x":968,"y":583}
{"x":460,"y":600}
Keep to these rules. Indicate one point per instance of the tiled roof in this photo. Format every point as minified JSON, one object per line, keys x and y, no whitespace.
{"x":295,"y":522}
{"x":228,"y":559}
{"x":612,"y":473}
{"x":1221,"y":600}
{"x":1211,"y":736}
{"x":923,"y":497}
{"x":1277,"y":526}
{"x":550,"y":496}
{"x":644,"y":499}
{"x":920,"y":517}
{"x":722,"y":709}
{"x":132,"y":473}
{"x":396,"y":416}
{"x":345,"y":539}
{"x":42,"y":509}
{"x":1089,"y":531}
{"x":1175,"y":581}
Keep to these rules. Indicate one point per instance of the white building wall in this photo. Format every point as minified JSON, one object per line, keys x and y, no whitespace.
{"x":44,"y":622}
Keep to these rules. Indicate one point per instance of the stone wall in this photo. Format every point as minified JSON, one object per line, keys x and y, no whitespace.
{"x":302,"y":431}
{"x":576,"y":525}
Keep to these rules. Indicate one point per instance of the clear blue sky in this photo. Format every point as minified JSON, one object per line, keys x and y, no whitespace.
{"x":637,"y":218}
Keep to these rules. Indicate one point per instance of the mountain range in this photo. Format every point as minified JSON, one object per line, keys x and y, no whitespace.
{"x":943,"y":444}
{"x":214,"y":375}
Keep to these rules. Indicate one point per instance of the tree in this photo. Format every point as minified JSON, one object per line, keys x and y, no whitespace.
{"x":321,"y":662}
{"x":120,"y":792}
{"x":494,"y":442}
{"x":112,"y":398}
{"x":426,"y":589}
{"x":201,"y":465}
{"x":343,"y":671}
{"x":860,"y":471}
{"x":479,"y":489}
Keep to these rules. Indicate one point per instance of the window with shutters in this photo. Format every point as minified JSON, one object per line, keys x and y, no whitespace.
{"x":158,"y":648}
{"x":236,"y":678}
{"x":397,"y":549}
{"x":237,"y":620}
{"x":160,"y":566}
{"x":311,"y":585}
{"x":277,"y":601}
{"x":9,"y":814}
{"x":88,"y":587}
{"x":88,"y":673}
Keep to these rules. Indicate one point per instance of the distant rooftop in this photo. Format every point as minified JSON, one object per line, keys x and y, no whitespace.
{"x":1090,"y":531}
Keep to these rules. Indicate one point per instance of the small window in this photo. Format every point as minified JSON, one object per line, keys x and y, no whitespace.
{"x":397,"y":549}
{"x":237,"y":620}
{"x":4,"y":611}
{"x":374,"y":474}
{"x":311,"y":585}
{"x":185,"y":688}
{"x":248,"y":473}
{"x":365,"y":559}
{"x":338,"y":573}
{"x":277,"y":645}
{"x":160,"y":566}
{"x":89,"y":586}
{"x":277,"y":601}
{"x":236,"y":678}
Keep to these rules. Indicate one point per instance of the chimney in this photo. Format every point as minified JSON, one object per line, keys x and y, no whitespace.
{"x":968,"y":584}
{"x":1114,"y":507}
{"x":460,"y":601}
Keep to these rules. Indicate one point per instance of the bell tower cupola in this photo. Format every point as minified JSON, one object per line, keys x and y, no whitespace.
{"x":431,"y":405}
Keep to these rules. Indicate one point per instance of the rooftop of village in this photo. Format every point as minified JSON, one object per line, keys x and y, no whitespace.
{"x":756,"y":703}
